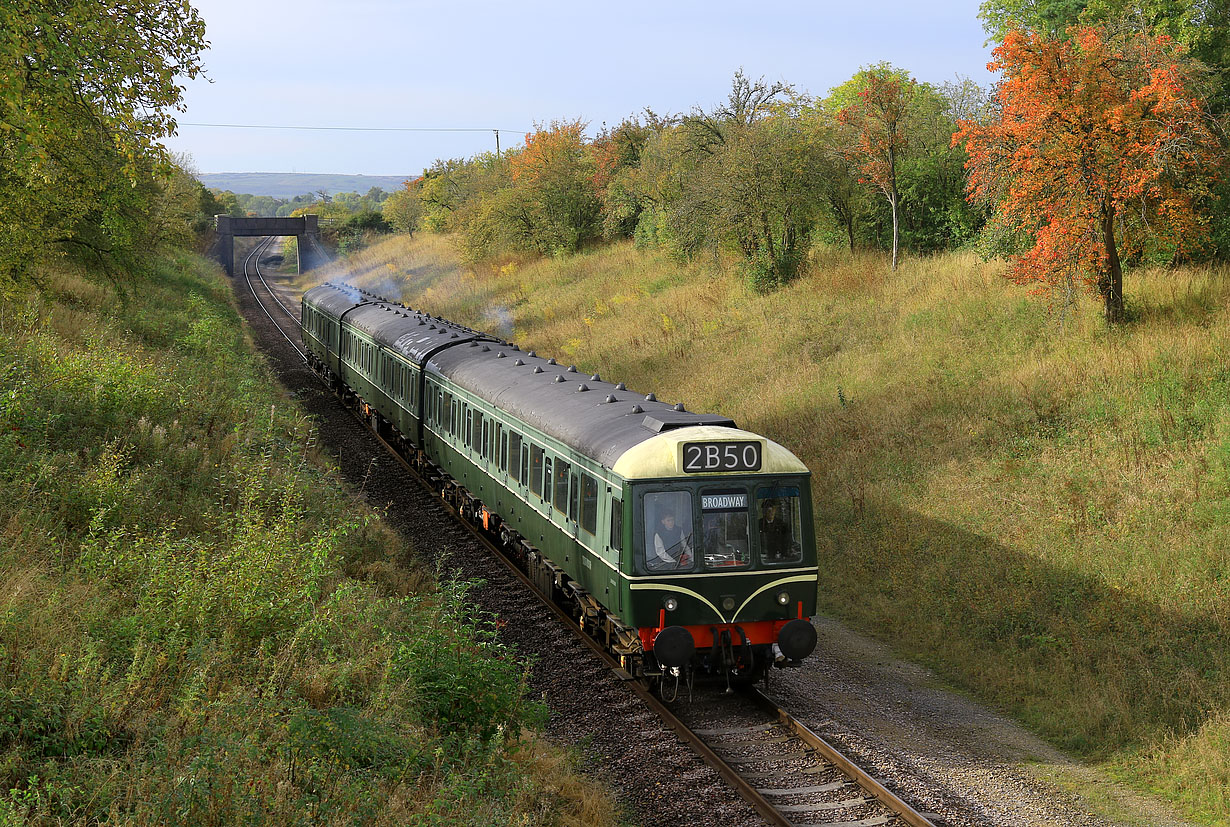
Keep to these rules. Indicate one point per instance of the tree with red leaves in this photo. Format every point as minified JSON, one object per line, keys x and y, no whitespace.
{"x":878,"y":118}
{"x":1103,"y":148}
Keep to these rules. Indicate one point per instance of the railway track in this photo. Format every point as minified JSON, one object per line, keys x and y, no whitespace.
{"x":251,"y":268}
{"x":788,"y":774}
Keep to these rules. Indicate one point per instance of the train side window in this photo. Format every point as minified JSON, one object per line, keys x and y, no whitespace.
{"x":525,"y":464}
{"x":514,"y":455}
{"x":574,"y":495}
{"x":465,"y":418}
{"x":561,"y":485}
{"x":503,"y":447}
{"x":617,"y":524}
{"x":536,"y":463}
{"x":546,"y":479}
{"x":589,"y":504}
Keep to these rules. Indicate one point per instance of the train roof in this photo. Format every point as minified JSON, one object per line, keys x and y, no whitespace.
{"x":632,"y":433}
{"x":412,"y":333}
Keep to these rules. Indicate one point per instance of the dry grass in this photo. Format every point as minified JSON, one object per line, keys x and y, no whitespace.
{"x":1026,"y":500}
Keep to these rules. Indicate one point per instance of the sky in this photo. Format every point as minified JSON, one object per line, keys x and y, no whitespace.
{"x":483,"y":66}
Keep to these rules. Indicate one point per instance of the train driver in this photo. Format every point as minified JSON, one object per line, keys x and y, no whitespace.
{"x":774,"y":531}
{"x":671,"y":547}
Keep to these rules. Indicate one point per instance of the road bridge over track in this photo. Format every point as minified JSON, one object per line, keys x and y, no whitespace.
{"x":304,"y":228}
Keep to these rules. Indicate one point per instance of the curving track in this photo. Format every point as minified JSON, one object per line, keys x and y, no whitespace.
{"x":788,"y":775}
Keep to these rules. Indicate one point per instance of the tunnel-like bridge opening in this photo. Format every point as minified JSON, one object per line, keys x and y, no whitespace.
{"x":304,"y":228}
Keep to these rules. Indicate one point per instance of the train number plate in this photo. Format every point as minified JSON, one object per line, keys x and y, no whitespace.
{"x":706,"y":457}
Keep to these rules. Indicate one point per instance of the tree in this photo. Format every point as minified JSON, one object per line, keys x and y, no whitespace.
{"x":741,"y":178}
{"x":1103,"y":147}
{"x":87,"y":89}
{"x":878,"y":120}
{"x":553,"y":179}
{"x":403,"y":208}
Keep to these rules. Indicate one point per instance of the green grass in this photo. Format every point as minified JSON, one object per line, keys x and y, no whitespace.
{"x":197,"y":626}
{"x":1031,"y":503}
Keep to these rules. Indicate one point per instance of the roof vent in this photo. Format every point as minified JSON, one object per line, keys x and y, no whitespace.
{"x":552,"y":361}
{"x":559,"y":379}
{"x":572,"y":368}
{"x":499,"y":355}
{"x":518,"y":363}
{"x":637,"y":409}
{"x":679,"y":406}
{"x":621,"y":387}
{"x":454,"y":336}
{"x":610,"y":397}
{"x":486,"y":349}
{"x":421,"y":322}
{"x":513,"y":346}
{"x":433,"y":327}
{"x":595,"y":378}
{"x":581,"y":388}
{"x":531,"y":353}
{"x":649,"y":397}
{"x":537,"y":368}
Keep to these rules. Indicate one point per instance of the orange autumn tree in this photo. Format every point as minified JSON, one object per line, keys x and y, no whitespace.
{"x":1103,"y":148}
{"x":553,"y":192}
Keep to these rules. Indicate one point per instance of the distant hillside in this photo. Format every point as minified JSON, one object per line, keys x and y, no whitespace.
{"x":290,"y":184}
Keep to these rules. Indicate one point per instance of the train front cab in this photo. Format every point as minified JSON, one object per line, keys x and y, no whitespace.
{"x":721,"y":567}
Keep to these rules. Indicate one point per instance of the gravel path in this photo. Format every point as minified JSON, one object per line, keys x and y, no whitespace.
{"x":941,"y":752}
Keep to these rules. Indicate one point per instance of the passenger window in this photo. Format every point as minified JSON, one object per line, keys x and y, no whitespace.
{"x":561,"y":485}
{"x":536,"y":464}
{"x":725,"y":542}
{"x":589,"y":504}
{"x":499,"y":429}
{"x":574,"y":494}
{"x":514,"y":456}
{"x":780,"y":524}
{"x":668,"y":531}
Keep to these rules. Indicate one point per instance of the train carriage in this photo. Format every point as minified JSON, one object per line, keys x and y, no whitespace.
{"x":683,"y":541}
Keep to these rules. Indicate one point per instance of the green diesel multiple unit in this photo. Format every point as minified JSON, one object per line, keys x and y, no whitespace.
{"x":683,"y":542}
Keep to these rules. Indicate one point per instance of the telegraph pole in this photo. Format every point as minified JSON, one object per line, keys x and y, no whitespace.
{"x":497,"y":142}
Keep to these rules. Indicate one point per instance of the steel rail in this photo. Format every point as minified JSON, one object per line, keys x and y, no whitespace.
{"x":255,"y":251}
{"x":731,"y":776}
{"x":274,"y":294}
{"x":831,"y":754}
{"x":749,"y":793}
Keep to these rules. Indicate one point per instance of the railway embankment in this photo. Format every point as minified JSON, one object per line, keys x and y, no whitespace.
{"x":1008,"y":493}
{"x":196,"y":624}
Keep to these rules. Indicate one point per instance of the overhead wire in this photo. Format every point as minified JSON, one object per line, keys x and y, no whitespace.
{"x":353,"y":128}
